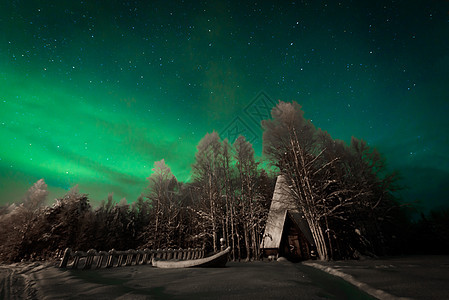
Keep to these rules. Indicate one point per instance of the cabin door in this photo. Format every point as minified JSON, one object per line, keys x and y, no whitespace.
{"x":294,"y":249}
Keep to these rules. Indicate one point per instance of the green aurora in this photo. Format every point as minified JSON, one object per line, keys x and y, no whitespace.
{"x":93,"y":94}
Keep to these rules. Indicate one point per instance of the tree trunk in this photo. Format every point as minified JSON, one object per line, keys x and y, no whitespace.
{"x":254,"y":242}
{"x":318,"y":238}
{"x":156,"y":229}
{"x":226,"y":234}
{"x":329,"y":239}
{"x":239,"y":250}
{"x":212,"y":212}
{"x":232,"y":231}
{"x":246,"y":234}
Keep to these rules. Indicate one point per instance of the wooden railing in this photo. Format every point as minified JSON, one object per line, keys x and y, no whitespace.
{"x":113,"y":258}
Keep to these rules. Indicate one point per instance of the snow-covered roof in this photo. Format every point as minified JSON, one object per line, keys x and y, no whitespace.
{"x":281,"y":205}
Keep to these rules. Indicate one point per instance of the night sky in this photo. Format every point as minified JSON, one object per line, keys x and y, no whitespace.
{"x":94,"y":92}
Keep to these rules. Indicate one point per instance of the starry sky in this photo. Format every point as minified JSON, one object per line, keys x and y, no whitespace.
{"x":94,"y":92}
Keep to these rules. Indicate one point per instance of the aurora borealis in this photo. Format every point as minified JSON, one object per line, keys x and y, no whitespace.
{"x":94,"y":92}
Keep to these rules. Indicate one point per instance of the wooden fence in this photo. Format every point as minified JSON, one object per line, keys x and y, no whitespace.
{"x":113,"y":258}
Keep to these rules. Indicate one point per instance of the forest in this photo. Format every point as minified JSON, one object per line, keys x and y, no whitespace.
{"x":346,"y":192}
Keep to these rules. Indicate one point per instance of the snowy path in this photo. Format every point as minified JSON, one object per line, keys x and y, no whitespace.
{"x":18,"y":282}
{"x":411,"y":277}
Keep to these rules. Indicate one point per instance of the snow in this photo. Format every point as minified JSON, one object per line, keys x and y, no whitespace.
{"x":408,"y":277}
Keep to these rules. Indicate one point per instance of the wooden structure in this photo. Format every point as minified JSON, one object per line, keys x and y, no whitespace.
{"x":217,"y":260}
{"x":113,"y":258}
{"x":287,"y":232}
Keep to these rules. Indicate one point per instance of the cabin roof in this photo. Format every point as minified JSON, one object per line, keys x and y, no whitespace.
{"x":282,"y":205}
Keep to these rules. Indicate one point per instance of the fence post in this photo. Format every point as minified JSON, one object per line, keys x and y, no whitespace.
{"x":120,"y":258}
{"x":145,"y":258}
{"x":153,"y":254}
{"x":184,"y":254}
{"x":65,"y":258}
{"x":78,"y":255}
{"x":189,"y":253}
{"x":129,"y":257}
{"x":110,"y":261}
{"x":164,"y":253}
{"x":100,"y":261}
{"x":170,"y":253}
{"x":139,"y":257}
{"x":135,"y":258}
{"x":89,"y":258}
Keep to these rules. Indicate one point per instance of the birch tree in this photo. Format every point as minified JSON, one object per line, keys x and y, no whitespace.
{"x":329,"y":180}
{"x":206,"y":173}
{"x":248,"y":177}
{"x":161,"y":191}
{"x":289,"y":141}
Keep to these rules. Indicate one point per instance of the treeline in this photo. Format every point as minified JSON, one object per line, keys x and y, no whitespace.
{"x":33,"y":230}
{"x":228,"y":197}
{"x":345,"y":192}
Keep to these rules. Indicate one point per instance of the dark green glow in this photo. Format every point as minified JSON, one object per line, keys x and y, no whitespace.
{"x":94,"y":93}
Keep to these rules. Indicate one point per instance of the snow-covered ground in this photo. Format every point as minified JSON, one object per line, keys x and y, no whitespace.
{"x":409,"y":277}
{"x":255,"y":280}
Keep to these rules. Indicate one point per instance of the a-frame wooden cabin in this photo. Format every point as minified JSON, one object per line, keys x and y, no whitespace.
{"x":287,"y":233}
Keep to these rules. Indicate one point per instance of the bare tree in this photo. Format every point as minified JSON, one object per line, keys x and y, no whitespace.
{"x":290,"y":142}
{"x":330,"y":181}
{"x":248,"y":177}
{"x":225,"y":186}
{"x":161,"y":194}
{"x":206,"y":173}
{"x":18,"y":220}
